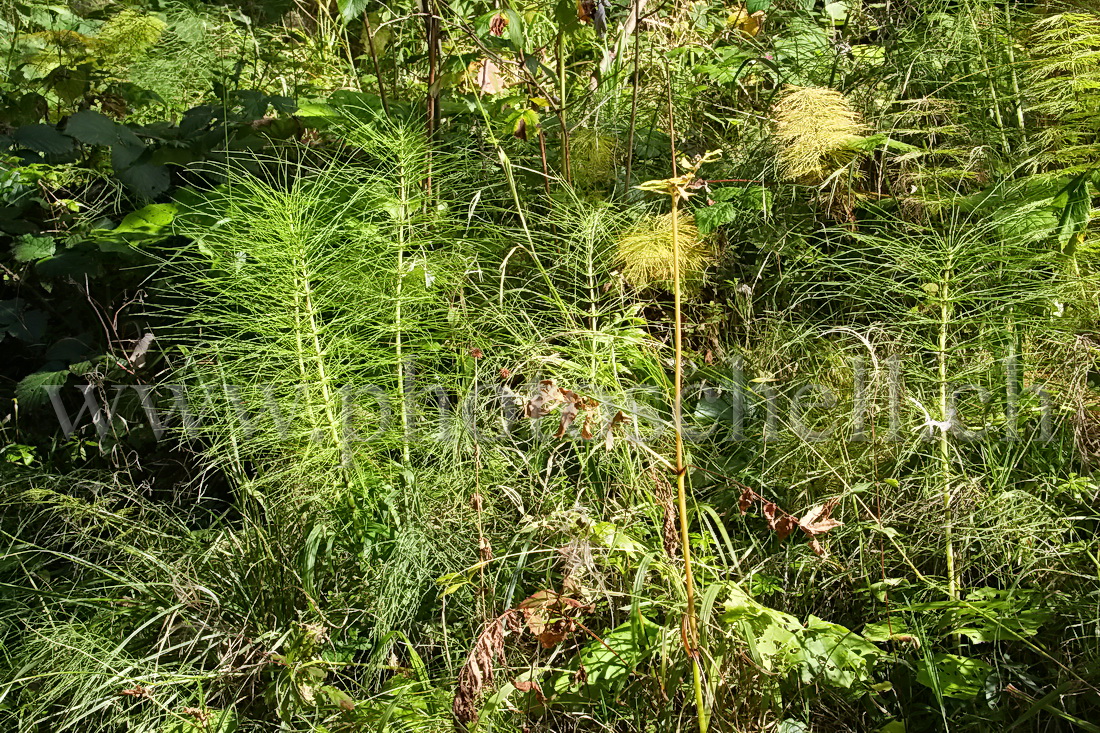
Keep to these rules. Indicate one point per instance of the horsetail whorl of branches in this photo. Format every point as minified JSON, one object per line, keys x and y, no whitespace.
{"x":645,"y":252}
{"x":814,"y":129}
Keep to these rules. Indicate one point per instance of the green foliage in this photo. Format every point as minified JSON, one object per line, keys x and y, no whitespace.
{"x":375,"y":273}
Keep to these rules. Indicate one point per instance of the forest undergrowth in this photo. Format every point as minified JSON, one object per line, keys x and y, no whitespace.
{"x":555,"y":366}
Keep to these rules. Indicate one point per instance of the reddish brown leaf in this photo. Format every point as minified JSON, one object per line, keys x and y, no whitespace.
{"x":137,"y":691}
{"x":609,"y":434}
{"x":769,"y":510}
{"x":748,"y":496}
{"x":497,"y":25}
{"x":548,"y":397}
{"x":785,"y":525}
{"x":530,"y":686}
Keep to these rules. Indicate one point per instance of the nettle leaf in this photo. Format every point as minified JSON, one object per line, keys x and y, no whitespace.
{"x":147,"y":220}
{"x":29,"y":248}
{"x":30,"y":390}
{"x":709,"y":218}
{"x":953,"y":676}
{"x":146,"y":180}
{"x":43,"y":138}
{"x":351,"y":9}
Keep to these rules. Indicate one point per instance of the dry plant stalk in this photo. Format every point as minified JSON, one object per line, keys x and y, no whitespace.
{"x":680,"y":188}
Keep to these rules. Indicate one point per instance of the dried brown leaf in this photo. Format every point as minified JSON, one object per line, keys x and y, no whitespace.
{"x":530,"y":686}
{"x":478,"y":670}
{"x":748,"y":496}
{"x":609,"y":434}
{"x":817,"y":520}
{"x":785,"y":525}
{"x":489,"y":79}
{"x":548,"y":397}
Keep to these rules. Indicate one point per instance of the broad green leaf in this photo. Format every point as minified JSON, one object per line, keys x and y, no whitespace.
{"x":94,"y":128}
{"x":43,"y":138}
{"x":29,"y":248}
{"x":30,"y":390}
{"x":150,"y":219}
{"x":351,"y":9}
{"x":836,"y":656}
{"x":146,"y":180}
{"x":952,"y":675}
{"x":609,"y":664}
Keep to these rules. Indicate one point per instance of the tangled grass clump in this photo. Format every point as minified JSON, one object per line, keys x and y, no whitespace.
{"x":645,"y":252}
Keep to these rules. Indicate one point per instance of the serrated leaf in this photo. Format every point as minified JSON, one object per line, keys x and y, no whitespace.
{"x":30,"y":248}
{"x":30,"y":390}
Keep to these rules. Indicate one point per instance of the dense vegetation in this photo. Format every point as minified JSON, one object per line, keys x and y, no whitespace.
{"x":549,"y":366}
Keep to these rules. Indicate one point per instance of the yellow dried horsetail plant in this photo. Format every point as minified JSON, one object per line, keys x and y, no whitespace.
{"x":814,"y":128}
{"x":677,"y":188}
{"x":645,"y":252}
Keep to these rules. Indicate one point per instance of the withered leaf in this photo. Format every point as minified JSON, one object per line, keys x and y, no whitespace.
{"x":785,"y":525}
{"x":548,"y":397}
{"x":478,"y":670}
{"x":530,"y":686}
{"x":748,"y":496}
{"x":591,"y":412}
{"x":549,"y":616}
{"x":489,"y":79}
{"x":817,"y":522}
{"x":782,"y":525}
{"x":569,"y":411}
{"x":609,"y":434}
{"x":498,"y":24}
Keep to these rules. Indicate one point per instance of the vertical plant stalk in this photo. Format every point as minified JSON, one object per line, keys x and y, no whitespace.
{"x":633,"y":110}
{"x":944,"y":442}
{"x":402,"y":237}
{"x":377,"y":66}
{"x":566,"y":164}
{"x":690,"y":622}
{"x":431,"y":31}
{"x":676,"y":188}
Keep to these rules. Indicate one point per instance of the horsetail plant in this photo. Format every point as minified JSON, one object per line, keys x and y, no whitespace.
{"x":677,"y":188}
